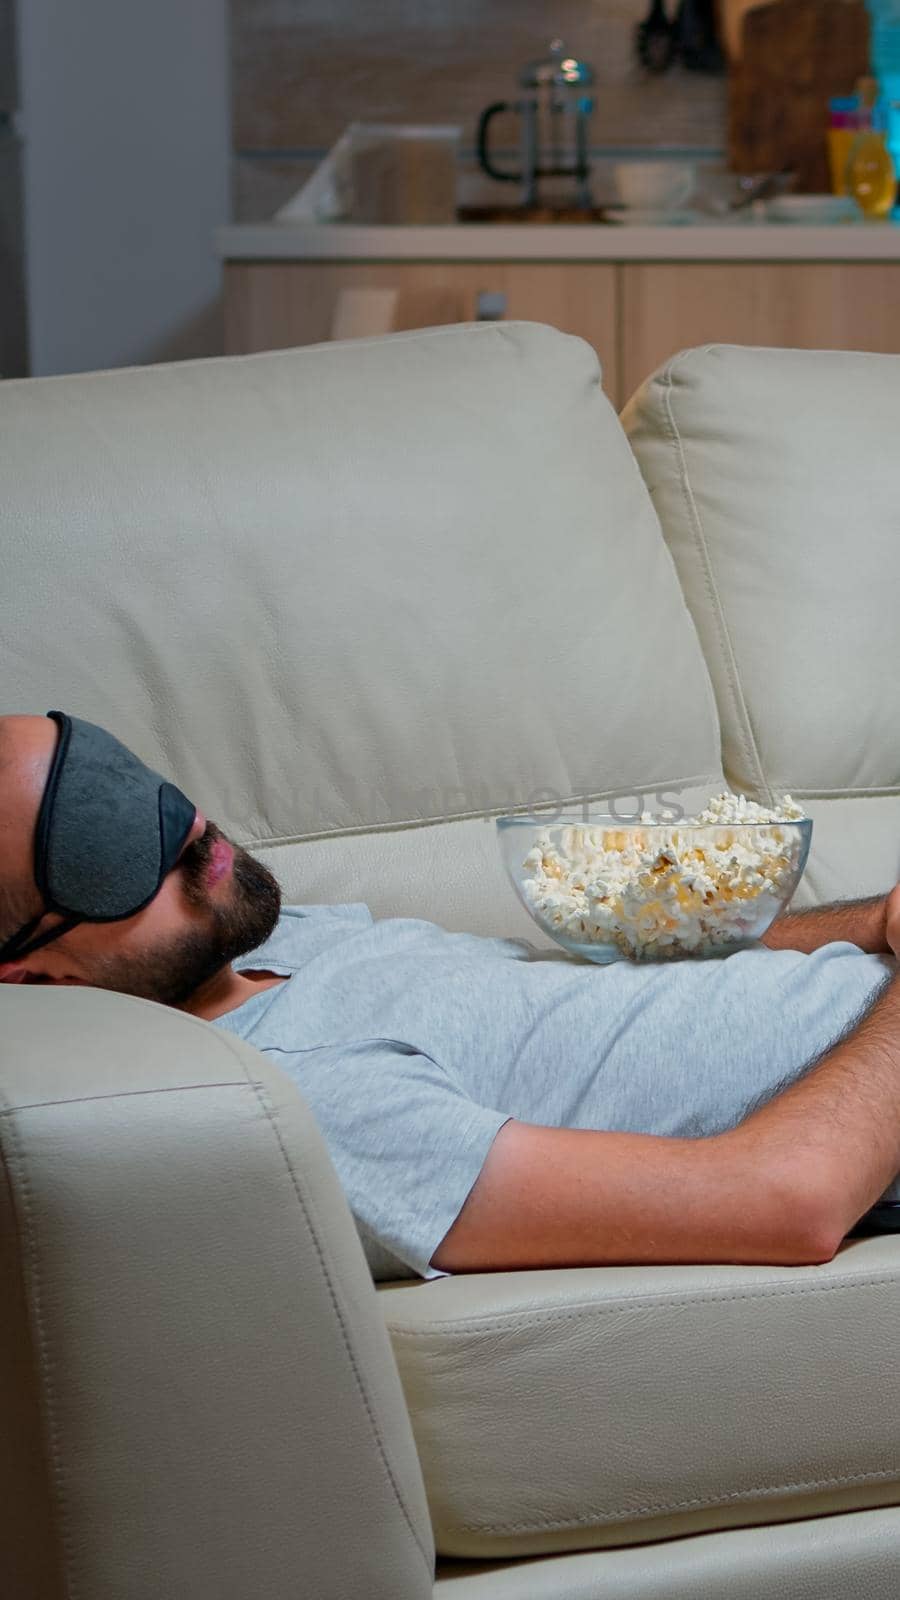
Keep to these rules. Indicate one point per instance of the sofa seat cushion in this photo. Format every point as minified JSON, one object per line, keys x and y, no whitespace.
{"x":599,"y":1406}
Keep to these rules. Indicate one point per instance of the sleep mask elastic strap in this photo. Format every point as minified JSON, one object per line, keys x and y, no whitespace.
{"x":20,"y":945}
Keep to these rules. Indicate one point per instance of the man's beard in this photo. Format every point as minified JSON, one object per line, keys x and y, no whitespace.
{"x":236,"y":926}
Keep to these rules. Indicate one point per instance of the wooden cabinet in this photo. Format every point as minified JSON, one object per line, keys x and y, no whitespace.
{"x":805,"y":305}
{"x":635,"y":314}
{"x":271,"y":305}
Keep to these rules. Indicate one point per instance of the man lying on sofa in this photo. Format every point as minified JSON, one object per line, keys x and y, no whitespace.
{"x":484,"y":1109}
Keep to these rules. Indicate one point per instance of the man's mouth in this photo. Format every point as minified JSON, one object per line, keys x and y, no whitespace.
{"x":221,"y":861}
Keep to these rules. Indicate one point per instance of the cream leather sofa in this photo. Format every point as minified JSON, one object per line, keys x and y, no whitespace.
{"x":353,"y":598}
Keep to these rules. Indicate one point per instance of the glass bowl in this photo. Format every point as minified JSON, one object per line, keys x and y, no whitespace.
{"x":653,"y":891}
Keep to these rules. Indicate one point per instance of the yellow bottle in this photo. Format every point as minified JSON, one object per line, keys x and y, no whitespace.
{"x":870,"y":178}
{"x":840,"y":143}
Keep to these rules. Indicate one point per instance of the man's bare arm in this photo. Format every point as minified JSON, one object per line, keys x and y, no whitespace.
{"x":783,"y":1187}
{"x":862,"y":922}
{"x":842,"y":1118}
{"x":572,"y":1197}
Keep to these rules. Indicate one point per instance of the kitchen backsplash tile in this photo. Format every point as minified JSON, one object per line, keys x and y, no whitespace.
{"x":303,"y":69}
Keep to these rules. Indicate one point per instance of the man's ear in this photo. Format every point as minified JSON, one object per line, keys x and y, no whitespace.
{"x":18,"y":907}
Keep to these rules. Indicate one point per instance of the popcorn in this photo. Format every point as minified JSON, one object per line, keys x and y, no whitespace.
{"x":659,"y":892}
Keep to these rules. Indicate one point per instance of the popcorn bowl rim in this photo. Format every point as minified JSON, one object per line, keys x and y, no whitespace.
{"x":572,"y":819}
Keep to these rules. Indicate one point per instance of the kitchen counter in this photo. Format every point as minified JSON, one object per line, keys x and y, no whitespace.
{"x":735,"y":240}
{"x":637,"y":294}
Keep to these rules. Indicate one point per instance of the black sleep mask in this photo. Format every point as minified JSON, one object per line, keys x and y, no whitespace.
{"x":108,"y":831}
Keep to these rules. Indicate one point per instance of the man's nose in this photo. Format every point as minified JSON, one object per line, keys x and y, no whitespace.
{"x":198,"y":828}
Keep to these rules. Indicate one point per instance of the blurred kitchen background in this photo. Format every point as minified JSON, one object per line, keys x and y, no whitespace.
{"x":129,"y":136}
{"x":304,"y":69}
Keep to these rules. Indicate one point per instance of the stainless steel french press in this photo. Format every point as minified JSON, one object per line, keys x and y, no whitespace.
{"x":555,"y":117}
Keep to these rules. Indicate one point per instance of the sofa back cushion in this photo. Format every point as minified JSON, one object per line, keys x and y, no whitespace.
{"x":776,"y":480}
{"x":354,"y":598}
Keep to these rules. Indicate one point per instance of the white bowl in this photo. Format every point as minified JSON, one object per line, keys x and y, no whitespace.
{"x":637,"y":217}
{"x":654,"y":185}
{"x":813,"y":209}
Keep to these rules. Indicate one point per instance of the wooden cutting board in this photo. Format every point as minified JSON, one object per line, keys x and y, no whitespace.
{"x":794,"y":55}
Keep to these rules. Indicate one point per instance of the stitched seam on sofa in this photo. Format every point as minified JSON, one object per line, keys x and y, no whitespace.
{"x":765,"y":1491}
{"x":889,"y":790}
{"x":708,"y":691}
{"x":118,"y":1094}
{"x":761,"y":1490}
{"x":164,"y":369}
{"x":523,"y":1319}
{"x":306,"y":1207}
{"x":743,"y":717}
{"x":304,"y":1203}
{"x":519,"y":808}
{"x":16,"y":1155}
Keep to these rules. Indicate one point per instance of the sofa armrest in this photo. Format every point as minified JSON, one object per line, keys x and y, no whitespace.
{"x":198,"y":1391}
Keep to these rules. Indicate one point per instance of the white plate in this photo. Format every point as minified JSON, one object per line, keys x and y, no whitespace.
{"x":644,"y":217}
{"x":819,"y":209}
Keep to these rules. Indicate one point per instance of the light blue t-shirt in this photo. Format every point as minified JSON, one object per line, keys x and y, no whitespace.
{"x":413,"y":1046}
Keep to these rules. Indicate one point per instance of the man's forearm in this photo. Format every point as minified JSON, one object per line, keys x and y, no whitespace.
{"x":861,"y":922}
{"x":840,"y":1123}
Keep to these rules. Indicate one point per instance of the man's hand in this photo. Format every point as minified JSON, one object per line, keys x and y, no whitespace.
{"x":892,"y":921}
